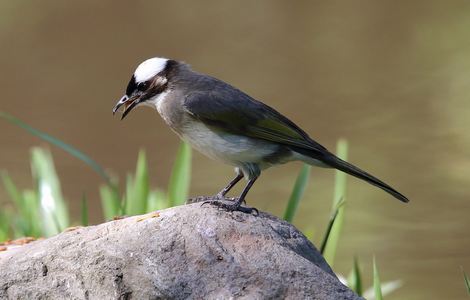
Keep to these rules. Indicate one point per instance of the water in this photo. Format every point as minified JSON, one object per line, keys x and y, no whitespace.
{"x":391,"y":79}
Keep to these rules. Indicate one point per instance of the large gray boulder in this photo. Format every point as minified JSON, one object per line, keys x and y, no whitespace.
{"x":185,"y":252}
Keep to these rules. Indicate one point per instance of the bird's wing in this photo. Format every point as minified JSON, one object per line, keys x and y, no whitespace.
{"x":246,"y":116}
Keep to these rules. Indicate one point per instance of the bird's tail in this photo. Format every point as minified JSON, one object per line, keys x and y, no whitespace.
{"x":333,"y":161}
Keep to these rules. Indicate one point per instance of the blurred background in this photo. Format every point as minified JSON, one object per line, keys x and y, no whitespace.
{"x":391,"y":79}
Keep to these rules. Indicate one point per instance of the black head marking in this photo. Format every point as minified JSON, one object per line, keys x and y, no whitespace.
{"x":170,"y":67}
{"x":131,"y":86}
{"x":143,"y":86}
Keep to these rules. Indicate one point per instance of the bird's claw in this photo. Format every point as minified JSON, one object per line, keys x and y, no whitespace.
{"x":220,"y":197}
{"x":232,"y":206}
{"x":217,"y":197}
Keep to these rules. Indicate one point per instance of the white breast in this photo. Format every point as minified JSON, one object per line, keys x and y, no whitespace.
{"x":228,"y":148}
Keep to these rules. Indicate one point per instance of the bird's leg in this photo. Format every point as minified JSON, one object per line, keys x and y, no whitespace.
{"x":238,"y":202}
{"x":221,"y":195}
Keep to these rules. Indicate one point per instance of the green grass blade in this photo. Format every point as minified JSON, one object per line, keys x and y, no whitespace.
{"x":126,"y":205}
{"x":297,"y":193}
{"x":329,"y":228}
{"x":387,"y":288}
{"x":33,"y":213}
{"x":110,"y":201}
{"x":141,"y":183}
{"x":355,"y":278}
{"x":178,"y":187}
{"x":12,"y":191}
{"x":26,"y":221}
{"x":331,"y":244}
{"x":138,"y":188}
{"x":157,"y":200}
{"x":54,"y":214}
{"x":377,"y":284}
{"x":4,"y":225}
{"x":466,"y":281}
{"x":55,"y":141}
{"x":23,"y":222}
{"x":84,"y":211}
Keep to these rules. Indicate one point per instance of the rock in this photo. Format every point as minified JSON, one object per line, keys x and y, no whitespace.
{"x":185,"y":252}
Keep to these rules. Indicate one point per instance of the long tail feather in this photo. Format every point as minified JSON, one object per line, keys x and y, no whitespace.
{"x":335,"y":162}
{"x":325,"y":158}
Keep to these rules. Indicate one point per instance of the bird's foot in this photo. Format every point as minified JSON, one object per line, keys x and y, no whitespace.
{"x":221,"y":197}
{"x":217,"y":197}
{"x":236,"y":206}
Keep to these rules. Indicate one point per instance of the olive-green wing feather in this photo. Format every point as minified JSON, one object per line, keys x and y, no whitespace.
{"x":246,"y":116}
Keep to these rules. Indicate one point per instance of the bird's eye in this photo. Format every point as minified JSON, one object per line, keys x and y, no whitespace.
{"x":142,"y":86}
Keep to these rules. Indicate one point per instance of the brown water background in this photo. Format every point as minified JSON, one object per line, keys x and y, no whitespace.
{"x":393,"y":77}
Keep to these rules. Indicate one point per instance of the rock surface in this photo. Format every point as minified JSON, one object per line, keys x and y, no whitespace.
{"x":185,"y":252}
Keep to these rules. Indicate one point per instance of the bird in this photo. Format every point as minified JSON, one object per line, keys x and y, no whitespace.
{"x":228,"y":125}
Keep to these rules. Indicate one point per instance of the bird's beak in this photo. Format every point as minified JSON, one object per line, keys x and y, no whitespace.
{"x":129,"y":104}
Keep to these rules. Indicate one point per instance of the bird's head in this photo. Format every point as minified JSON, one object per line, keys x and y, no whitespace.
{"x":147,"y":84}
